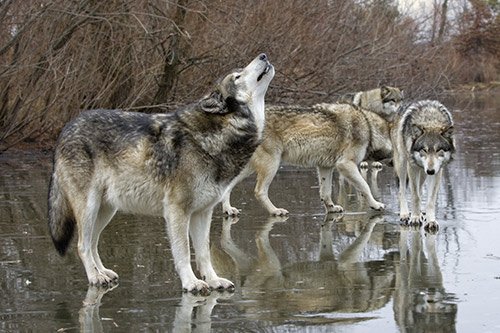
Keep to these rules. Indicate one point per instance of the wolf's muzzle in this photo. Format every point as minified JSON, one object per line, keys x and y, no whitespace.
{"x":263,"y":57}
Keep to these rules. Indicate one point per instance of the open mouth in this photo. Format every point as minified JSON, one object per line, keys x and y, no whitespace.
{"x":266,"y":70}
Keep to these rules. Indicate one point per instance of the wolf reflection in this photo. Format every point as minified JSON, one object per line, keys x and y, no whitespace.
{"x":341,"y":282}
{"x":421,"y":303}
{"x":347,"y":281}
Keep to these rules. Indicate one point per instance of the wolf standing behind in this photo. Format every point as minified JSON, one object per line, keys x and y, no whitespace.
{"x":174,"y":165}
{"x":384,"y":101}
{"x":423,"y":143}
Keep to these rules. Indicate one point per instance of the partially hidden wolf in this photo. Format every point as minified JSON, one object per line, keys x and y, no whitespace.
{"x":324,"y":136}
{"x":174,"y":165}
{"x":384,"y":101}
{"x":423,"y":144}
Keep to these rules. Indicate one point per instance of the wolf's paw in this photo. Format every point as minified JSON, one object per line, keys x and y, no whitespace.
{"x":334,"y":208}
{"x":417,"y":219}
{"x":221,"y":284}
{"x":431,"y":227}
{"x":279,"y":212}
{"x":232,"y":211}
{"x":404,"y":218}
{"x":377,"y":206}
{"x":101,"y":278}
{"x":377,"y":165}
{"x":197,"y":287}
{"x":363,"y":165}
{"x":111,"y":274}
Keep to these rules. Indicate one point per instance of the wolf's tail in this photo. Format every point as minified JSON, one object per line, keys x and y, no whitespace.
{"x":61,"y":217}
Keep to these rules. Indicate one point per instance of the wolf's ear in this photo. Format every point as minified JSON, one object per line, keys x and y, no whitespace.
{"x":416,"y":131}
{"x":447,"y":132}
{"x":384,"y":91}
{"x":214,"y":103}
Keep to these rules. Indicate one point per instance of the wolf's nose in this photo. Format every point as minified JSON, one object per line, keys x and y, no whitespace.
{"x":431,"y":171}
{"x":263,"y":56}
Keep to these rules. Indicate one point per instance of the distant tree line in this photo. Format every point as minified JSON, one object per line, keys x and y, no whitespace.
{"x":59,"y":57}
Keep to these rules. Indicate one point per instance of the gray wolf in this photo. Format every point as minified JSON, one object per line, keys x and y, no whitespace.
{"x":324,"y":136}
{"x":175,"y":165}
{"x":423,"y":144}
{"x":384,"y":101}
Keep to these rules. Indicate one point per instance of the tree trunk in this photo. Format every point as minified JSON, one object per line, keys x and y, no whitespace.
{"x":442,"y":22}
{"x":173,"y":55}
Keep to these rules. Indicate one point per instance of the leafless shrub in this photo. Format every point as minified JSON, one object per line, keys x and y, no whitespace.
{"x":59,"y":57}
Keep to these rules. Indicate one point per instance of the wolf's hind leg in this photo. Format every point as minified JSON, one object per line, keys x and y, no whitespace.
{"x":226,"y":198}
{"x":199,"y":230}
{"x":350,"y":170}
{"x":266,"y":168}
{"x":88,"y":235}
{"x":106,"y":213}
{"x":227,"y":208}
{"x":325,"y":176}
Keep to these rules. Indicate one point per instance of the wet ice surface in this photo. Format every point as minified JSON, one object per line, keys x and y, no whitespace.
{"x":358,"y":272}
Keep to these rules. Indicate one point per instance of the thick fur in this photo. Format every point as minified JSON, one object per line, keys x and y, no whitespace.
{"x":384,"y":101}
{"x":324,"y":136}
{"x":174,"y":165}
{"x":423,"y":144}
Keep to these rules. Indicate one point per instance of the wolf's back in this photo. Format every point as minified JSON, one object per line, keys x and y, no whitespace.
{"x":61,"y":217}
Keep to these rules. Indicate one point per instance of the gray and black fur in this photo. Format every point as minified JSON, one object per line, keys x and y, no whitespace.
{"x":175,"y":165}
{"x":423,"y":144}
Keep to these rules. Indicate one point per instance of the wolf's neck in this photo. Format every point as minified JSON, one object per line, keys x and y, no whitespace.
{"x":257,"y":107}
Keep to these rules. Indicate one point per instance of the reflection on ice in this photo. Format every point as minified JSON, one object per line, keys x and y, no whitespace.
{"x":421,"y":303}
{"x":343,"y":283}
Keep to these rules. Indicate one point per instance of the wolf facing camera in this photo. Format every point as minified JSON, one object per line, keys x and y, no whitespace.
{"x":423,"y":143}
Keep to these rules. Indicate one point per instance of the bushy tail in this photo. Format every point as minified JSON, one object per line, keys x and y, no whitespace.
{"x":61,"y":217}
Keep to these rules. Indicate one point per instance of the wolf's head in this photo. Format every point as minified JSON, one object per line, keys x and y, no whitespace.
{"x":391,"y":99}
{"x":248,"y":85}
{"x":432,"y":148}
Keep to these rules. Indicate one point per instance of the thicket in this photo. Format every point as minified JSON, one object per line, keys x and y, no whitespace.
{"x":59,"y":57}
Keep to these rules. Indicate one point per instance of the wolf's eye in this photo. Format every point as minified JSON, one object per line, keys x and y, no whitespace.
{"x":237,"y":76}
{"x":422,"y":152}
{"x":441,"y":153}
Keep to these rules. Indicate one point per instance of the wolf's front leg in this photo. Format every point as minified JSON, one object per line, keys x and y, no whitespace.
{"x":350,"y":170}
{"x":400,"y":166}
{"x":415,"y":175}
{"x":376,"y":168}
{"x":432,"y":190}
{"x":177,"y":224}
{"x":325,"y":190}
{"x":199,"y":230}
